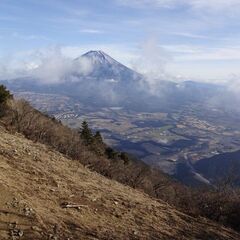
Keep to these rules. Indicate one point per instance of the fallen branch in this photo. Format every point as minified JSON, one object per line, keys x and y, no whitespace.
{"x":77,"y":206}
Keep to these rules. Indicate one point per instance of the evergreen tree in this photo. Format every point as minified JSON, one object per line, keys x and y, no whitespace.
{"x":111,"y":153}
{"x":98,"y":137}
{"x":124,"y":156}
{"x":4,"y":96}
{"x":86,"y":133}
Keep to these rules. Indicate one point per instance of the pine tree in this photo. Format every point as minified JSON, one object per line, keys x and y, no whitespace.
{"x":110,"y":153}
{"x":4,"y":96}
{"x":86,"y":133}
{"x":124,"y":157}
{"x":98,"y":138}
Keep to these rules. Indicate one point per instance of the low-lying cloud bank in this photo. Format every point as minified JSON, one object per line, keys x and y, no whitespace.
{"x":47,"y":66}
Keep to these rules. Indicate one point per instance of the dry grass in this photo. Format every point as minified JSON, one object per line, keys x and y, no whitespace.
{"x":36,"y":180}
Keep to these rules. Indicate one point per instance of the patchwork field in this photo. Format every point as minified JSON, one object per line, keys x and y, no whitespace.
{"x":159,"y":138}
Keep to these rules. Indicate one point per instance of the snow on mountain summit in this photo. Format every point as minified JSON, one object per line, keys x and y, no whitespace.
{"x":105,"y":67}
{"x":100,"y":57}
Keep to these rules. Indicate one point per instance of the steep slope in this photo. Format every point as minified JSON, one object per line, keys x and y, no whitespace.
{"x":221,"y":167}
{"x":44,"y":195}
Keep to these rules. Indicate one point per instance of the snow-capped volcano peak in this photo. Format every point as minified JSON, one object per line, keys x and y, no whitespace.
{"x":105,"y":67}
{"x":96,"y":53}
{"x":99,"y":57}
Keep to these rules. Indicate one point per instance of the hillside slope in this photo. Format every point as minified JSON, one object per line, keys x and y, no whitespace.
{"x":40,"y":188}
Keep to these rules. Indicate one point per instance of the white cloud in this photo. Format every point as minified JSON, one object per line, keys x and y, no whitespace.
{"x":191,"y":35}
{"x":214,"y":4}
{"x":151,"y":62}
{"x":234,"y":84}
{"x":152,"y":59}
{"x":201,"y":53}
{"x":91,"y":31}
{"x":48,"y":65}
{"x":203,"y":5}
{"x":143,"y":3}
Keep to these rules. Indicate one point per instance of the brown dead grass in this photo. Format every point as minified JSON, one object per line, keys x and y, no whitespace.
{"x":36,"y":180}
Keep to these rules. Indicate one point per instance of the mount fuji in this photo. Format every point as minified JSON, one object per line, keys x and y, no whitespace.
{"x":105,"y":67}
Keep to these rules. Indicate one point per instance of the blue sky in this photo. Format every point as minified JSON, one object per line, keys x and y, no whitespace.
{"x":196,"y":39}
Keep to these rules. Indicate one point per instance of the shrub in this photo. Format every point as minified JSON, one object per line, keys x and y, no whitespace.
{"x":111,"y":154}
{"x":4,"y":96}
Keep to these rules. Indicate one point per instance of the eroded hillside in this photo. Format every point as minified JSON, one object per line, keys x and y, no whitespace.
{"x":44,"y":195}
